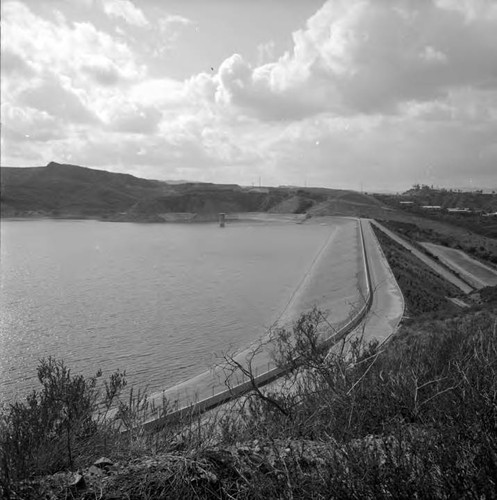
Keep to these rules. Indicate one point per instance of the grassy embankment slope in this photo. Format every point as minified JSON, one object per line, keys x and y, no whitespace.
{"x":418,"y":229}
{"x":424,"y":291}
{"x":481,"y":227}
{"x":413,"y":419}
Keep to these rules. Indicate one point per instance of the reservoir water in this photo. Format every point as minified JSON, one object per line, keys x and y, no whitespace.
{"x":161,"y":301}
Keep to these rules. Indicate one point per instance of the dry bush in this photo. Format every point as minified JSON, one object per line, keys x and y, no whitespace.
{"x":414,"y":419}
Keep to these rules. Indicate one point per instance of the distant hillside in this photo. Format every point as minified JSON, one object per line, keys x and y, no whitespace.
{"x":350,"y":203}
{"x":474,"y":210}
{"x":449,"y":198}
{"x":70,"y":191}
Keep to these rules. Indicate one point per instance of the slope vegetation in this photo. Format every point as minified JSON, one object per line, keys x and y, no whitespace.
{"x":70,"y":191}
{"x":348,"y":203}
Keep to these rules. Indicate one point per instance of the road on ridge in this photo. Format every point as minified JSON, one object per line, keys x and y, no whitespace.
{"x":387,"y":308}
{"x":474,"y":272}
{"x":439,"y":269}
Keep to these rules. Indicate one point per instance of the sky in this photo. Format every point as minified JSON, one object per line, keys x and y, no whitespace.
{"x":354,"y":94}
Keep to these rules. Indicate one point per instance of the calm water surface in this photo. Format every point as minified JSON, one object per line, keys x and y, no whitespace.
{"x":159,"y":301}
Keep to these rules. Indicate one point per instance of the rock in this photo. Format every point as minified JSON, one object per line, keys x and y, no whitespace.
{"x":103,"y":462}
{"x":95,"y":471}
{"x":78,"y":482}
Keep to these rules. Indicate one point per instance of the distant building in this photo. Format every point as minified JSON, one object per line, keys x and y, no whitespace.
{"x":431,"y":207}
{"x":463,"y":211}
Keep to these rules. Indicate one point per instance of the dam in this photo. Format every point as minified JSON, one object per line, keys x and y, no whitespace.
{"x":336,"y":282}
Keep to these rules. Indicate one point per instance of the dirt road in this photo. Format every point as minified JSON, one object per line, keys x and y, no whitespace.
{"x":439,"y":269}
{"x":474,"y":272}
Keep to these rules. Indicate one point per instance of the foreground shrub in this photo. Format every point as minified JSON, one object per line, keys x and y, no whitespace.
{"x":53,"y":427}
{"x":416,"y":418}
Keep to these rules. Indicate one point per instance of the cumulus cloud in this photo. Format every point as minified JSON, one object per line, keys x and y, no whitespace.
{"x":61,"y":47}
{"x":260,"y":91}
{"x":125,"y":9}
{"x":471,"y":9}
{"x":102,"y":71}
{"x":136,"y":119}
{"x":167,"y":32}
{"x":360,"y":56}
{"x":14,"y":64}
{"x":23,"y":124}
{"x":59,"y":81}
{"x":173,"y":21}
{"x":368,"y":91}
{"x":266,"y":52}
{"x":159,"y":92}
{"x":50,"y":96}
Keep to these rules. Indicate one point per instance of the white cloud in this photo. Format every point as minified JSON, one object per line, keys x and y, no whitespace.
{"x":367,"y":92}
{"x":471,"y":9}
{"x":23,"y":124}
{"x":126,"y":10}
{"x":50,"y":96}
{"x":432,"y":55}
{"x":173,"y":21}
{"x":158,"y":92}
{"x":63,"y":48}
{"x":260,"y":92}
{"x":265,"y":52}
{"x":136,"y":119}
{"x":104,"y":72}
{"x":14,"y":64}
{"x":167,"y":33}
{"x":58,"y":80}
{"x":360,"y":56}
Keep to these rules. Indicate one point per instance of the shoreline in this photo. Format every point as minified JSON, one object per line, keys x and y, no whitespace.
{"x":295,"y":300}
{"x":173,"y":218}
{"x":313,"y":288}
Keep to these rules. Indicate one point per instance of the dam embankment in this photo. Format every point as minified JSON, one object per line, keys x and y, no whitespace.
{"x":336,"y":282}
{"x":269,"y":217}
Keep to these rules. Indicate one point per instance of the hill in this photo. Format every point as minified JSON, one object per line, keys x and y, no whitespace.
{"x":348,"y":203}
{"x":475,"y":200}
{"x":70,"y":191}
{"x":474,"y":211}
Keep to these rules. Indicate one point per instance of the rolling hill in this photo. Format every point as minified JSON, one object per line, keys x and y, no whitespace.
{"x":70,"y":191}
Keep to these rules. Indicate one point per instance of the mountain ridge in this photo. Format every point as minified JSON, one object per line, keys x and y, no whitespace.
{"x":71,"y":191}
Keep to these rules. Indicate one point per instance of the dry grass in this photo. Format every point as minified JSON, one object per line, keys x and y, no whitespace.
{"x":415,"y":420}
